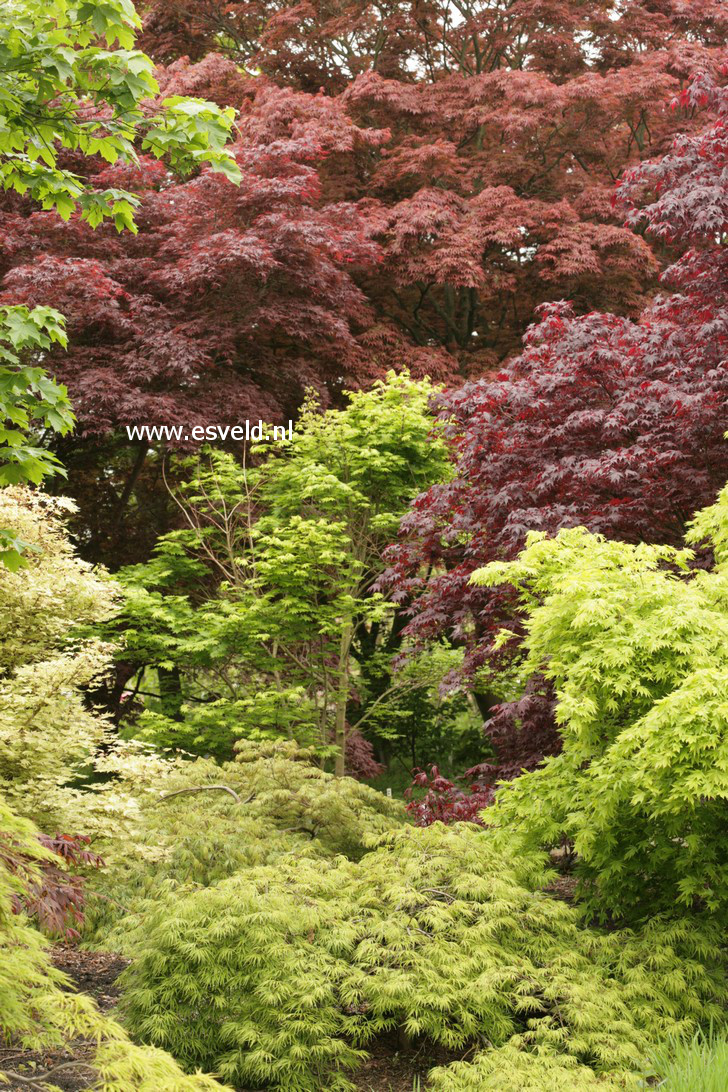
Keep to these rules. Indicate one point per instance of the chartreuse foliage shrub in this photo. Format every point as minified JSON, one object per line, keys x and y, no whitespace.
{"x":636,"y":647}
{"x":48,"y":732}
{"x":281,"y":973}
{"x":36,"y":1009}
{"x":511,"y":1069}
{"x":175,"y":840}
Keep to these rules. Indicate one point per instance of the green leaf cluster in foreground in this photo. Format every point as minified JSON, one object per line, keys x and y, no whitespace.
{"x":279,"y":918}
{"x":61,"y":89}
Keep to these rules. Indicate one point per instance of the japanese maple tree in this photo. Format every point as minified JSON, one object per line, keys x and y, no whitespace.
{"x":602,"y":421}
{"x":322,"y":43}
{"x":230,"y":302}
{"x":509,"y":125}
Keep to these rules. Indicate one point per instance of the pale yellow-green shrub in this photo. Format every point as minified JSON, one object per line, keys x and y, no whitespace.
{"x":47,"y":730}
{"x":38,"y":1012}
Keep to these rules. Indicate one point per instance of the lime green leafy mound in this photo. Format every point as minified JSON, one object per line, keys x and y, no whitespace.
{"x":196,"y":823}
{"x":278,"y":975}
{"x":511,"y":1069}
{"x":635,"y":645}
{"x":36,"y":1010}
{"x":292,"y":794}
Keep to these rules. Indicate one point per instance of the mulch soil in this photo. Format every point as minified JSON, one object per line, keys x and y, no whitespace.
{"x":392,"y":1068}
{"x":93,"y":973}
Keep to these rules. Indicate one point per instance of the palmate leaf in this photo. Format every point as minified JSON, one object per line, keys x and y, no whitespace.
{"x":12,"y":549}
{"x":53,"y":69}
{"x":29,"y":400}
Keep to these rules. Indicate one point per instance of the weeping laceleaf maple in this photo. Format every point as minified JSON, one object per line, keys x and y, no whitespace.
{"x":602,"y":421}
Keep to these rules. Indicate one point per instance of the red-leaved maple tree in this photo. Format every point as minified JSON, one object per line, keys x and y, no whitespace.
{"x":508,"y":125}
{"x":602,"y":421}
{"x":415,"y":184}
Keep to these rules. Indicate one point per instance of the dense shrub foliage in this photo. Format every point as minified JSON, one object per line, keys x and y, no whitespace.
{"x":635,"y":645}
{"x":36,"y":1008}
{"x":299,"y":959}
{"x":542,"y":653}
{"x":271,"y":974}
{"x":47,"y":730}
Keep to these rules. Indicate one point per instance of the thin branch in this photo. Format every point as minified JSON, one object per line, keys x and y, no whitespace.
{"x":209,"y":788}
{"x":37,"y":1080}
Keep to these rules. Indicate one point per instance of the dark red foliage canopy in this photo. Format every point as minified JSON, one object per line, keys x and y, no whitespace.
{"x":450,"y":180}
{"x":311,"y":44}
{"x":229,"y":302}
{"x":414,"y":187}
{"x":601,"y":421}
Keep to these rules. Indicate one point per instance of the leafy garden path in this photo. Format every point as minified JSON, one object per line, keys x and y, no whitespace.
{"x":93,"y":973}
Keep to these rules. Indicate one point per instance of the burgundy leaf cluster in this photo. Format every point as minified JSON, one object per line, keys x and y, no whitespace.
{"x":52,"y":894}
{"x":445,"y":801}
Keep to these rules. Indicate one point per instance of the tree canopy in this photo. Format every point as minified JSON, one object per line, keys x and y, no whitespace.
{"x":414,"y":213}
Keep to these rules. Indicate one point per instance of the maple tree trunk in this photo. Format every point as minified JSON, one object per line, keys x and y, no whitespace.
{"x":342,"y":698}
{"x":129,"y":486}
{"x":170,"y":691}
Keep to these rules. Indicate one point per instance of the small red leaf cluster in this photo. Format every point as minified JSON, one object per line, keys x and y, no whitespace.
{"x":445,"y":801}
{"x":52,"y":894}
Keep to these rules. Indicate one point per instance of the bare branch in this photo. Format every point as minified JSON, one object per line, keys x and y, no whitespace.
{"x":209,"y":788}
{"x":38,"y":1080}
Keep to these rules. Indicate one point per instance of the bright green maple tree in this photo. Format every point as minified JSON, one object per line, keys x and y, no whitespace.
{"x":258,"y":602}
{"x":28,"y":400}
{"x":634,"y":639}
